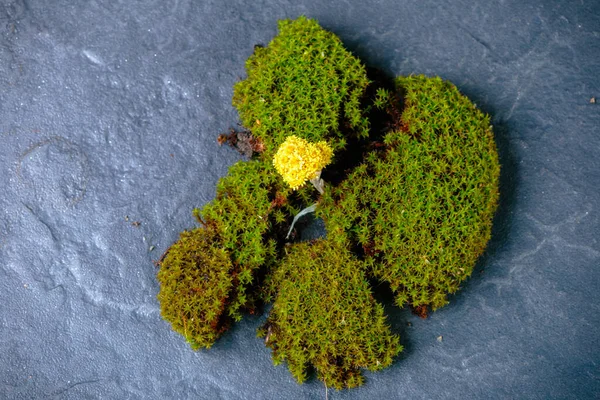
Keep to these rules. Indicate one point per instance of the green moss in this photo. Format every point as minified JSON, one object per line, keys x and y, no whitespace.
{"x":422,"y":209}
{"x":195,"y":281}
{"x":303,"y":83}
{"x":324,"y":316}
{"x":240,"y":216}
{"x":416,"y":213}
{"x":237,"y":245}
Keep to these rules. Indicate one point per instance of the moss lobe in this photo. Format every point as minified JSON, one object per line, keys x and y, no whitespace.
{"x":304,"y":83}
{"x":195,"y":281}
{"x":324,"y":316}
{"x":212,"y":274}
{"x":421,"y":211}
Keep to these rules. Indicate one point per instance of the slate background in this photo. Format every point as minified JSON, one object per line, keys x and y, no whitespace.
{"x":110,"y":109}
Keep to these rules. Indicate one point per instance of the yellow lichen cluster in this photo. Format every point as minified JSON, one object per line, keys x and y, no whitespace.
{"x":298,"y":160}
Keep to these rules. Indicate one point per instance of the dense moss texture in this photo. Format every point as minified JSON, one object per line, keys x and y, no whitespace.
{"x":422,"y":209}
{"x":324,"y":316}
{"x":416,"y":212}
{"x":304,"y":83}
{"x":195,"y":281}
{"x":209,"y":276}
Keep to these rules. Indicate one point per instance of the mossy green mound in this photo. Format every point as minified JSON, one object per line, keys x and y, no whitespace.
{"x":324,"y":316}
{"x":416,"y":213}
{"x":242,"y":217}
{"x":422,"y":209}
{"x":210,"y":276}
{"x":195,"y":281}
{"x":304,"y":83}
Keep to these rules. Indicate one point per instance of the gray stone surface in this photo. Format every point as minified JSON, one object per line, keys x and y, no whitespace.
{"x":109,"y":112}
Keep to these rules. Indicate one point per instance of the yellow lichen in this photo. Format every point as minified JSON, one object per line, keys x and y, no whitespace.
{"x":298,"y":160}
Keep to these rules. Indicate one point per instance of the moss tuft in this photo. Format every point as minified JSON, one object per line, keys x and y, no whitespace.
{"x":324,"y":316}
{"x":195,"y":281}
{"x":304,"y":83}
{"x":238,"y":244}
{"x":421,"y":211}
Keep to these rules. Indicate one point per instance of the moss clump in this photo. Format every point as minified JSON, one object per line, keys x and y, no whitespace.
{"x":211,"y":275}
{"x":304,"y":83}
{"x":298,"y":160}
{"x":421,"y":210}
{"x":324,"y":316}
{"x":195,"y":281}
{"x":242,"y":217}
{"x":414,"y":210}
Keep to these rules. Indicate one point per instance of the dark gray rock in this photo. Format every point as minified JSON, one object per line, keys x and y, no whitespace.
{"x":109,"y":112}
